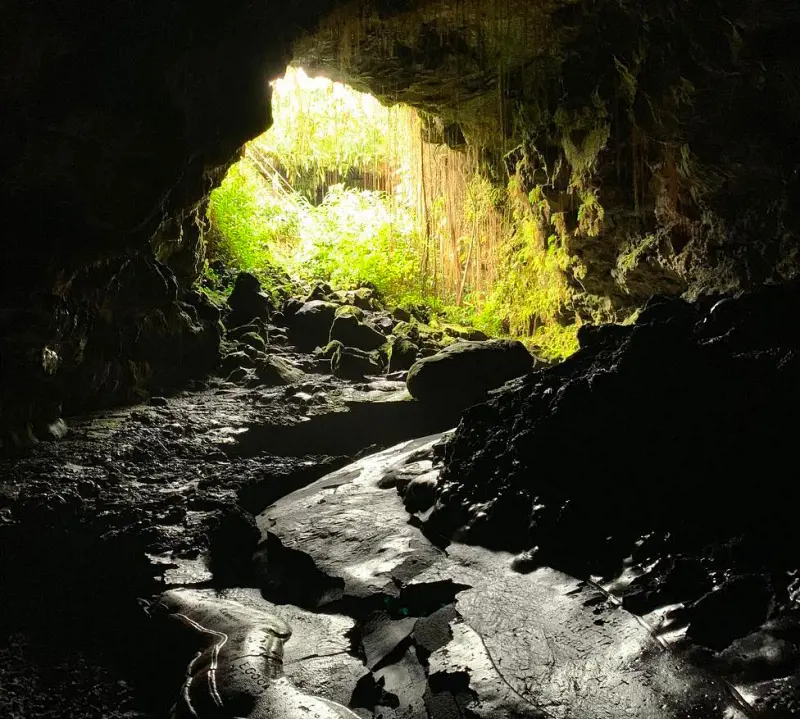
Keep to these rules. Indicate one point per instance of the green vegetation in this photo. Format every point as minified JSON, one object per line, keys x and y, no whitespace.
{"x":345,"y":190}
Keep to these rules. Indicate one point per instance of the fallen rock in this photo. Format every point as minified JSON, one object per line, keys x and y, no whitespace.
{"x":465,"y":333}
{"x":353,"y":333}
{"x":350,"y":311}
{"x":311,"y":325}
{"x":320,"y":291}
{"x":254,"y":340}
{"x":236,"y":359}
{"x":401,"y":315}
{"x":278,"y":371}
{"x":402,"y":354}
{"x":353,"y":364}
{"x":247,"y":301}
{"x":464,"y":372}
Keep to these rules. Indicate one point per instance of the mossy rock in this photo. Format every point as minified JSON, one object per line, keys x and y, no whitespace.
{"x":465,"y":333}
{"x":402,"y":354}
{"x":407,"y":330}
{"x":320,"y":291}
{"x":365,"y":298}
{"x":233,"y":360}
{"x":328,"y":350}
{"x":354,"y":364}
{"x":311,"y":325}
{"x":463,"y":373}
{"x":253,"y":339}
{"x":401,"y":314}
{"x":352,"y":333}
{"x":350,"y":311}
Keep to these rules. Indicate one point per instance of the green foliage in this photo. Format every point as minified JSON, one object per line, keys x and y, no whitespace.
{"x":263,"y":222}
{"x":321,"y":127}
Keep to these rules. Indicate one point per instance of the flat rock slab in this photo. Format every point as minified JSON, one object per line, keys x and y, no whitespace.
{"x":542,"y":644}
{"x":315,"y":660}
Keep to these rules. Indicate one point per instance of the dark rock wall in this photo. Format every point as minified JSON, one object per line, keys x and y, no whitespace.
{"x":677,"y":118}
{"x":117,"y":119}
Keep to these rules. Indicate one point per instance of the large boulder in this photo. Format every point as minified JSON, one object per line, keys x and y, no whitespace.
{"x":247,"y":302}
{"x":402,"y":354}
{"x":353,"y":333}
{"x":463,"y":373}
{"x":311,"y":324}
{"x":354,"y":364}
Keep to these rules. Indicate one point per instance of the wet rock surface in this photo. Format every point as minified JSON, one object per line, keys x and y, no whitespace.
{"x":236,"y":507}
{"x":463,"y":373}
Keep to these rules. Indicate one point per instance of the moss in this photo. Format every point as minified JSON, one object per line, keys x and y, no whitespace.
{"x":631,"y":255}
{"x":253,"y":339}
{"x":350,"y":311}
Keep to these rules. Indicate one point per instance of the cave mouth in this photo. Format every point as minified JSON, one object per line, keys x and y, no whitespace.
{"x":351,"y":191}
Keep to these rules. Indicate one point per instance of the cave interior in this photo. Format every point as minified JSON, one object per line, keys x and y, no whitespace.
{"x":608,"y":531}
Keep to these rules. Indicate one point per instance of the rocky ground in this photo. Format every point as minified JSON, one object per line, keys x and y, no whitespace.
{"x":238,"y":498}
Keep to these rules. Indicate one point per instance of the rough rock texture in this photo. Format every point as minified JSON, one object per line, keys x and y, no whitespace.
{"x":351,"y":332}
{"x":460,"y":632}
{"x":463,"y":373}
{"x":353,"y":363}
{"x":663,"y":440}
{"x":310,"y":326}
{"x":247,"y":302}
{"x":643,"y":127}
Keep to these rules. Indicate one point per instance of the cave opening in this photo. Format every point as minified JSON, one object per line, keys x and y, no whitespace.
{"x":346,"y":190}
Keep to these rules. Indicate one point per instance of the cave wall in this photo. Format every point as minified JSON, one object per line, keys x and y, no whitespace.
{"x":118,"y":118}
{"x":678,"y":118}
{"x":665,"y":132}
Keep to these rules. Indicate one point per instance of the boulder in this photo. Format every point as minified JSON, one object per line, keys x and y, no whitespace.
{"x":311,"y":324}
{"x":365,"y":298}
{"x":407,"y":329}
{"x":290,"y":308}
{"x":232,"y":361}
{"x":253,"y":339}
{"x":465,"y":333}
{"x":276,"y":371}
{"x":320,"y":291}
{"x":353,"y":333}
{"x":401,"y":315}
{"x":328,"y":350}
{"x":463,"y":373}
{"x":350,"y":311}
{"x":247,"y":302}
{"x":402,"y":354}
{"x":384,"y":324}
{"x":354,"y":364}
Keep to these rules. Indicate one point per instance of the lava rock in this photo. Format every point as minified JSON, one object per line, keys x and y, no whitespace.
{"x":353,"y":364}
{"x":254,"y":340}
{"x":277,"y":371}
{"x":320,"y":291}
{"x":401,"y":315}
{"x":350,"y":311}
{"x":290,"y":307}
{"x":464,"y":372}
{"x":466,"y":333}
{"x":247,"y":302}
{"x":402,"y":354}
{"x":352,"y":333}
{"x":311,"y":325}
{"x":738,"y":607}
{"x":234,"y":360}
